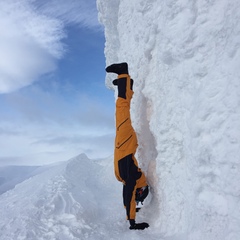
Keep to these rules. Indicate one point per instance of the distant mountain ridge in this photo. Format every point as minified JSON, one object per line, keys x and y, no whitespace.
{"x":12,"y":175}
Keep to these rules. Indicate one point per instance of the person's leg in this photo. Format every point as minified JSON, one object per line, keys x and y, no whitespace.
{"x":126,"y":139}
{"x":129,"y":173}
{"x":141,"y":182}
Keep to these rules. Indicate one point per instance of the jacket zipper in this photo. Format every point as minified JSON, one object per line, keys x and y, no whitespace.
{"x":124,"y":142}
{"x":122,"y":124}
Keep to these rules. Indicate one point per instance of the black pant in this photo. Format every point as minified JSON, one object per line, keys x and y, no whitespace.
{"x":130,"y":173}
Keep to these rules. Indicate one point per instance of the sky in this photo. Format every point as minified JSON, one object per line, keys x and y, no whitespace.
{"x":53,"y":99}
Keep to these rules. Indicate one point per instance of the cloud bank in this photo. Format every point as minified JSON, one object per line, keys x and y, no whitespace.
{"x":41,"y":127}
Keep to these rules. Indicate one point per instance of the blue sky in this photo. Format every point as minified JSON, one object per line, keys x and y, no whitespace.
{"x":53,"y":99}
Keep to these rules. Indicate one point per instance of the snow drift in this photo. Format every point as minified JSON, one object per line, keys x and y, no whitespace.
{"x":76,"y":199}
{"x":184,"y":57}
{"x":56,"y":203}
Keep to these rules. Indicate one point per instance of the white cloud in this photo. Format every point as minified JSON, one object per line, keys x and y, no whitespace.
{"x":82,"y":12}
{"x":31,"y":34}
{"x":29,"y":44}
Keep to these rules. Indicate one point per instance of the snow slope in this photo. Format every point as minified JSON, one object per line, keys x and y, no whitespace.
{"x":184,"y":57}
{"x":77,"y":199}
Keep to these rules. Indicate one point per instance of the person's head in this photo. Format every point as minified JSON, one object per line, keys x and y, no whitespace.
{"x":141,"y":194}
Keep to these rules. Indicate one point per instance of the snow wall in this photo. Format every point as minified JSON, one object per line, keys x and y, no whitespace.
{"x":184,"y":57}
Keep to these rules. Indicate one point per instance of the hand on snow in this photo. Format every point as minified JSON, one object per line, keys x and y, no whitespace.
{"x":138,"y":226}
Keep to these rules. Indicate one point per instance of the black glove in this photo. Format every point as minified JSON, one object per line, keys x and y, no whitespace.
{"x":138,"y":226}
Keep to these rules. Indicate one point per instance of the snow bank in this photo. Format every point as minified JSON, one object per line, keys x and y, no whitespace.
{"x":77,"y":199}
{"x":184,"y":57}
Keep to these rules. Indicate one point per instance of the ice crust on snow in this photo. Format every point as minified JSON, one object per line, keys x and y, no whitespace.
{"x":184,"y":57}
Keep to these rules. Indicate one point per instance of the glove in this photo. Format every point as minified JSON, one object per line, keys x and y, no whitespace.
{"x":138,"y":226}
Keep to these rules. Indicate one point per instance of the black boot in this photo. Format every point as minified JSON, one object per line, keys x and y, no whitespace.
{"x":118,"y":68}
{"x":115,"y":82}
{"x":122,"y":86}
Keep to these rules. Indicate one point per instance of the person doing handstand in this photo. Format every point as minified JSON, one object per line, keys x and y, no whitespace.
{"x":135,"y":187}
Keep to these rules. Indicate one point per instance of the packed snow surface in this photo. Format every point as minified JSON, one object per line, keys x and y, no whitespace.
{"x":184,"y":58}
